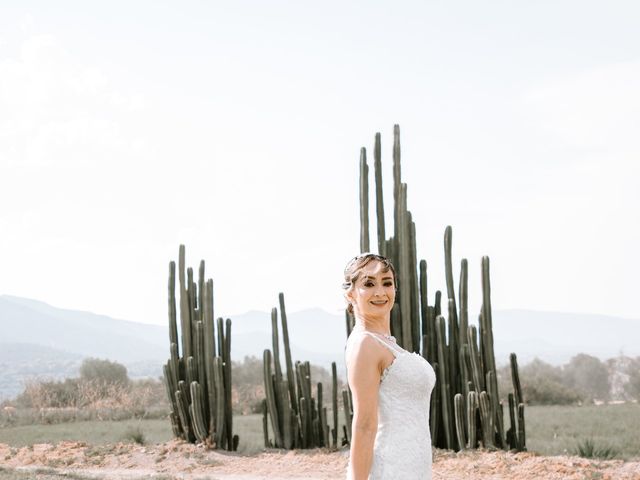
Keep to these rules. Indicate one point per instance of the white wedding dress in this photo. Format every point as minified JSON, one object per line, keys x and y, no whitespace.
{"x":402,"y":448}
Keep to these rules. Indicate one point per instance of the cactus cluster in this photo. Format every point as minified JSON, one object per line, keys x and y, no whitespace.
{"x":297,"y":419}
{"x":466,"y":410}
{"x":197,"y":375}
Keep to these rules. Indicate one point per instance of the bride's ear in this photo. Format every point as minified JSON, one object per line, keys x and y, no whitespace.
{"x":348,"y":297}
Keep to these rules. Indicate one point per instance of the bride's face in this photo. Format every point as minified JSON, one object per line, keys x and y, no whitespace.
{"x":373,"y":294}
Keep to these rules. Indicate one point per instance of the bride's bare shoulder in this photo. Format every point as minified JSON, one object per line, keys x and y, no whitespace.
{"x":360,"y":343}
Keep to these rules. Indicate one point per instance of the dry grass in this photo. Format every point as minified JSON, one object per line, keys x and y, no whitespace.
{"x":85,"y":400}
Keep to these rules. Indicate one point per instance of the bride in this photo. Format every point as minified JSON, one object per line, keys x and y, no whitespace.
{"x":391,"y":387}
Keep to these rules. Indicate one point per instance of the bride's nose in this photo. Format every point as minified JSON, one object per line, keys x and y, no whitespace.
{"x":379,"y":291}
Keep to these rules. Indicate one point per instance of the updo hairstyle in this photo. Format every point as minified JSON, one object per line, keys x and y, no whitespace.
{"x":354,"y":268}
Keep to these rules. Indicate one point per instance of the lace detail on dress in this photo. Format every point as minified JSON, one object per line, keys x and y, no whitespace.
{"x":385,"y":372}
{"x":402,"y":448}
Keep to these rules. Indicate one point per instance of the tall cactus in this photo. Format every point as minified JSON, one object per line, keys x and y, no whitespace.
{"x":364,"y":202}
{"x":334,"y":398}
{"x":297,"y":419}
{"x":459,"y":414}
{"x":271,"y":398}
{"x":472,"y":412}
{"x":197,"y":380}
{"x":461,"y":354}
{"x":445,"y":386}
{"x":379,"y":199}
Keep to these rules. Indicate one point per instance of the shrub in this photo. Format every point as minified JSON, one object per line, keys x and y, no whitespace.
{"x":544,"y":384}
{"x":135,"y":435}
{"x":632,"y":387}
{"x":588,"y":449}
{"x":103,"y":371}
{"x":589,"y":376}
{"x":49,"y":394}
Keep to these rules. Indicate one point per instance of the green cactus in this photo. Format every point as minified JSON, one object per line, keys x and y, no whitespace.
{"x":453,"y":349}
{"x":196,"y":410}
{"x":477,"y":372}
{"x":220,"y":404}
{"x":173,"y":415}
{"x":209,"y":355}
{"x":424,"y":306}
{"x":379,"y":198}
{"x":448,"y":234}
{"x":185,"y":319}
{"x":434,"y":408}
{"x":278,"y":382}
{"x":334,"y":396}
{"x":198,"y":382}
{"x":472,"y":408}
{"x":522,"y":441}
{"x":445,"y":387}
{"x":487,"y":342}
{"x":515,"y":378}
{"x":364,"y":201}
{"x":348,"y":414}
{"x":486,"y":417}
{"x":460,"y":423}
{"x":191,"y":298}
{"x":416,"y":333}
{"x":512,"y":433}
{"x":265,"y":424}
{"x":227,"y":386}
{"x":464,"y":360}
{"x":287,"y":352}
{"x":271,"y":398}
{"x":199,"y":357}
{"x":173,"y":326}
{"x":432,"y":352}
{"x":298,"y":420}
{"x":396,"y":184}
{"x":183,"y":414}
{"x":287,"y":417}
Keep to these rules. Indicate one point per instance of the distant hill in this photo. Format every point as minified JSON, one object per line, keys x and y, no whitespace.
{"x":39,"y":339}
{"x":33,"y":322}
{"x":556,"y":337}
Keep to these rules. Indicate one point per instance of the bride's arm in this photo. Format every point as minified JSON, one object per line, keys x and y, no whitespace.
{"x":363,"y":373}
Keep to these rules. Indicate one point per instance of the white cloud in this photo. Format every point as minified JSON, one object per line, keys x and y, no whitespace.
{"x":57,"y":113}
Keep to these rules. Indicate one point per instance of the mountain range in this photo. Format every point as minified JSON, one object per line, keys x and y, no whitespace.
{"x":39,"y":340}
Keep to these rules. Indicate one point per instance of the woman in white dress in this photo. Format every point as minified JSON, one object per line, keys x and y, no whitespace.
{"x":391,"y":387}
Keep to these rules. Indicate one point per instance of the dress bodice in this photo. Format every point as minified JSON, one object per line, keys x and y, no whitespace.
{"x":402,"y":448}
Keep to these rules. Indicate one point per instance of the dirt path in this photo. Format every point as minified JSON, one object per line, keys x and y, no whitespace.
{"x":180,"y":461}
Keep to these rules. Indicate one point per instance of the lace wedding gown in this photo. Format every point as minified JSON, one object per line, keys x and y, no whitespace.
{"x":402,"y":448}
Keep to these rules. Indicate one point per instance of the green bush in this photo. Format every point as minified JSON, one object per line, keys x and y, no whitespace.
{"x":544,"y":384}
{"x":589,"y":376}
{"x":103,"y":371}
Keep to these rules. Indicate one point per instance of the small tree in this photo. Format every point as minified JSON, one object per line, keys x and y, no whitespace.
{"x":589,"y":376}
{"x":632,"y":387}
{"x":544,"y":384}
{"x":103,"y":372}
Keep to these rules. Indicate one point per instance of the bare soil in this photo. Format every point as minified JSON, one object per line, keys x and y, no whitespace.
{"x":179,"y":460}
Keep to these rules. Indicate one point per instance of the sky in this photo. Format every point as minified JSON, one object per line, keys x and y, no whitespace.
{"x":129,"y":128}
